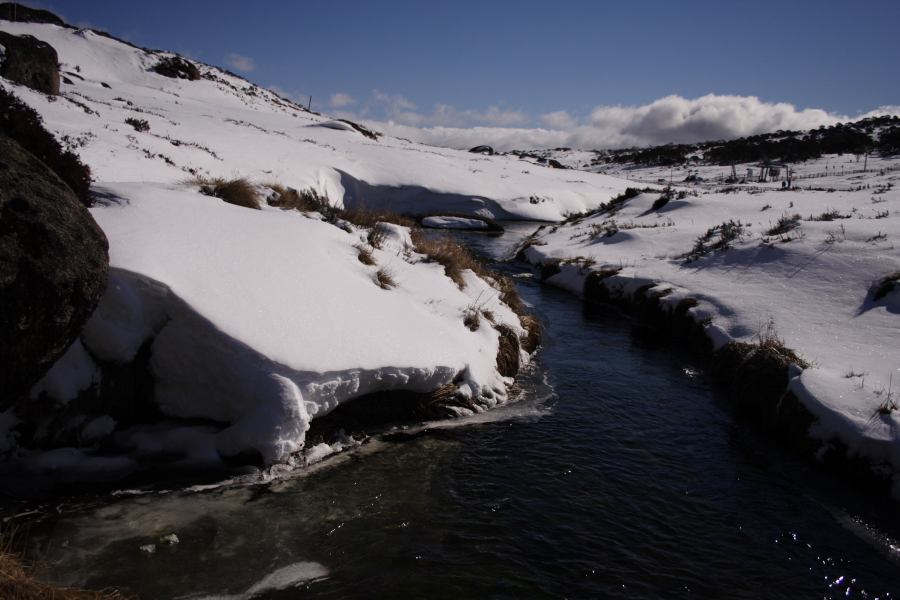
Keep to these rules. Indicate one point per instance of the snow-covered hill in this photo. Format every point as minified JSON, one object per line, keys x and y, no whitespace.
{"x":223,"y":125}
{"x":252,"y":323}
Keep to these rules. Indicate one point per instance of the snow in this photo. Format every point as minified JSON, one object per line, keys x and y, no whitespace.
{"x":285,"y":578}
{"x":258,"y":321}
{"x":215,"y":122}
{"x":813,"y":283}
{"x":71,"y":374}
{"x":453,"y":223}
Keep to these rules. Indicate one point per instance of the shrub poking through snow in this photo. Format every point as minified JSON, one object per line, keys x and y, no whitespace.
{"x":140,"y":125}
{"x":719,"y":237}
{"x":17,"y":581}
{"x":365,"y":255}
{"x":454,"y":257}
{"x":372,"y":135}
{"x":21,"y":123}
{"x":289,"y":198}
{"x":385,"y":279}
{"x":886,"y":285}
{"x":375,"y":237}
{"x":508,"y":351}
{"x":363,"y":217}
{"x":471,"y":318}
{"x":785,"y":224}
{"x":176,"y":68}
{"x":239,"y":192}
{"x":828,"y":215}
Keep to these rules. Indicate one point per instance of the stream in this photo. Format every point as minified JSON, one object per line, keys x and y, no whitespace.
{"x":619,"y":473}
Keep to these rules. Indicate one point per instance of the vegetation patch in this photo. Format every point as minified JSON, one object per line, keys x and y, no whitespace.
{"x":24,"y":125}
{"x":508,"y":351}
{"x":385,"y":279}
{"x":239,"y":192}
{"x":365,"y":255}
{"x":886,"y":285}
{"x":17,"y":581}
{"x":719,"y":237}
{"x":453,"y":256}
{"x":372,"y":135}
{"x":139,"y":125}
{"x":828,"y":215}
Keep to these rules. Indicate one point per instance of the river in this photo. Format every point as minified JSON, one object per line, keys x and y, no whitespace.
{"x":619,"y":473}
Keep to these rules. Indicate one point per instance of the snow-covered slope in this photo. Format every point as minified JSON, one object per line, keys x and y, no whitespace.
{"x":804,"y":262}
{"x":222,"y":125}
{"x":259,"y":321}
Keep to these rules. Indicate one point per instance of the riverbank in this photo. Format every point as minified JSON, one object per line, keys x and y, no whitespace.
{"x":818,"y":314}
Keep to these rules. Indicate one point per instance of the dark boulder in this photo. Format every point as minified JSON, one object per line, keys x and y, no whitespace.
{"x":53,"y":269}
{"x":13,"y":11}
{"x":30,"y":62}
{"x":556,"y":164}
{"x":482,"y":150}
{"x":177,"y":68}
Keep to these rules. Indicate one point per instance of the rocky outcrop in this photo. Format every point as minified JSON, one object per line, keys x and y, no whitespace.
{"x":482,"y":150}
{"x":177,"y":68}
{"x":13,"y":11}
{"x":53,"y":269}
{"x":30,"y":62}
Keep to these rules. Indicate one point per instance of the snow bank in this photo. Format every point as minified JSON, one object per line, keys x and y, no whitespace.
{"x":264,"y":320}
{"x":813,"y":282}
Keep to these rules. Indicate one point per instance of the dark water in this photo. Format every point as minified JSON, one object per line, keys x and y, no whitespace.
{"x":630,"y":480}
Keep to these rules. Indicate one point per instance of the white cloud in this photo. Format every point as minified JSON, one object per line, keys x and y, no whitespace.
{"x":341,"y":100}
{"x":670,"y":119}
{"x":559,"y":119}
{"x":239,"y":62}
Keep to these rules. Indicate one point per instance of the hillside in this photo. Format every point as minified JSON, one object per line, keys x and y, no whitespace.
{"x":226,"y":332}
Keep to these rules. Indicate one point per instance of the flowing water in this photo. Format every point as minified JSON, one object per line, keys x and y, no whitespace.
{"x":619,"y":474}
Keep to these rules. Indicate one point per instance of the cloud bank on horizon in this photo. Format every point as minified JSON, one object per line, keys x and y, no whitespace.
{"x":672,"y":119}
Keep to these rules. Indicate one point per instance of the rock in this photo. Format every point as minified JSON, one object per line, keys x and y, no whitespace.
{"x":13,"y":11}
{"x":177,"y":68}
{"x":556,"y":164}
{"x":30,"y":62}
{"x":53,"y":269}
{"x":482,"y":150}
{"x":169,"y":540}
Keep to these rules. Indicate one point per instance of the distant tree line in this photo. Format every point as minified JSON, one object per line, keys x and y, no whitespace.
{"x":874,"y":134}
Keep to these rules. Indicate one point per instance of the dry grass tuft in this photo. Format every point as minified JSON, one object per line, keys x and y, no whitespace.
{"x":365,"y":255}
{"x":472,"y":319}
{"x":239,"y":191}
{"x":453,"y":256}
{"x":17,"y":581}
{"x":385,"y":279}
{"x":289,"y":198}
{"x":364,"y":217}
{"x":375,"y":237}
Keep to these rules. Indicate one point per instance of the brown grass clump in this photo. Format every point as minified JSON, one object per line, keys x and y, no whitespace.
{"x":375,"y":237}
{"x":17,"y":581}
{"x":288,"y":198}
{"x":364,"y":217}
{"x":507,"y":352}
{"x":472,"y":319}
{"x":454,"y":257}
{"x":385,"y":279}
{"x":365,"y":255}
{"x":239,"y":192}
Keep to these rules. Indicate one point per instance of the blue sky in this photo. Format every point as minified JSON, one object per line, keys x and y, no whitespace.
{"x":527,"y":64}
